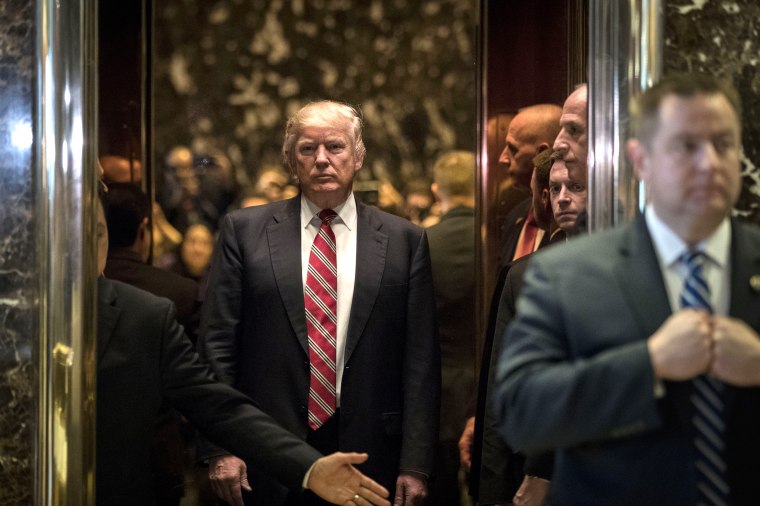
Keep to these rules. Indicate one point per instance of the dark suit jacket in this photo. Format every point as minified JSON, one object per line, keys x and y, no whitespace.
{"x":576,"y":375}
{"x":126,"y":266}
{"x":253,"y":332}
{"x":511,"y":229}
{"x":144,"y":357}
{"x":168,"y":446}
{"x":452,"y":256}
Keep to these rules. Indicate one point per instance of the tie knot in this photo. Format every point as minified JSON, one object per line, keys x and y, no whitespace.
{"x":694,"y":259}
{"x":327,"y":215}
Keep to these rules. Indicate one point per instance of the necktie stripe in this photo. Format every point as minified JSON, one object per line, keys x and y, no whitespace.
{"x":320,"y":305}
{"x":706,"y":400}
{"x":322,"y":283}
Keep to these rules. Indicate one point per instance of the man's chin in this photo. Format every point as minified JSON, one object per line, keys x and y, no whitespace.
{"x":567,"y":223}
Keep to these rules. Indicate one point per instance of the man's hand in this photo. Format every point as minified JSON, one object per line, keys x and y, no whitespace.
{"x":411,"y":489}
{"x":532,"y":492}
{"x":736,"y":352}
{"x":227,"y":475}
{"x":336,"y":480}
{"x":682,"y":347}
{"x":465,"y":443}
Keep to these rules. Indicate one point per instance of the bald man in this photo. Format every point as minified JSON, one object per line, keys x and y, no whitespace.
{"x":533,"y":130}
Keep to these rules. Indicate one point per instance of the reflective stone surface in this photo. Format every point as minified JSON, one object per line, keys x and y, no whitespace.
{"x":17,"y":256}
{"x":229,"y":73}
{"x":722,"y":37}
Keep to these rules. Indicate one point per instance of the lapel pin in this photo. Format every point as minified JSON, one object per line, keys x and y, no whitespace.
{"x":754,"y":282}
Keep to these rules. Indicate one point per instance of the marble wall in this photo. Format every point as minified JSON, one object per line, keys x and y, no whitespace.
{"x":229,"y":73}
{"x":17,"y":268}
{"x":722,"y":37}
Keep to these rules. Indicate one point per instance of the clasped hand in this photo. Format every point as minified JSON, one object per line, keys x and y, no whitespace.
{"x":693,"y":342}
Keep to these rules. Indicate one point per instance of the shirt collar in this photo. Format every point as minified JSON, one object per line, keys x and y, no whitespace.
{"x":346,"y":212}
{"x":670,"y":247}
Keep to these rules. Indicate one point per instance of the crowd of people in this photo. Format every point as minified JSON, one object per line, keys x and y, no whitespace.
{"x":620,"y":367}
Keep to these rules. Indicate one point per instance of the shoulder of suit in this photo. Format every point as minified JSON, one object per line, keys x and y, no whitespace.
{"x":585,"y":249}
{"x":136,"y":298}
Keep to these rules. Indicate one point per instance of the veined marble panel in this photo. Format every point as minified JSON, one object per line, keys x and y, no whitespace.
{"x":722,"y":37}
{"x":17,"y":267}
{"x":229,"y":73}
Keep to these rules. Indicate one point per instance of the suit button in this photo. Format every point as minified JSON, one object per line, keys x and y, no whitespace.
{"x":303,"y":408}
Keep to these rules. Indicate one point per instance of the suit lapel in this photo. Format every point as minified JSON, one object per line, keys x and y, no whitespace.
{"x":745,"y":276}
{"x":108,"y":315}
{"x":371,"y":250}
{"x":284,"y":239}
{"x":640,"y":278}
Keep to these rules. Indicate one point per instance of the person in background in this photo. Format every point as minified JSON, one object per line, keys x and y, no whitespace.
{"x":321,"y":309}
{"x":271,"y":182}
{"x":452,"y":257}
{"x":195,"y":252}
{"x":648,"y":385}
{"x":418,"y":201}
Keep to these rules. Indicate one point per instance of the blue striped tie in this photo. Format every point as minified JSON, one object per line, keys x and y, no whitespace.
{"x":706,"y":398}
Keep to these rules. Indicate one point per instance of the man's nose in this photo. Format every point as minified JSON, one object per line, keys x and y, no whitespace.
{"x":707,"y":157}
{"x":564,"y":195}
{"x":560,"y":143}
{"x":504,"y":158}
{"x":321,"y":155}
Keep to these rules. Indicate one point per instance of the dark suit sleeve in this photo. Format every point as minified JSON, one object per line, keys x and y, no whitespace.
{"x":500,"y":467}
{"x":218,"y":340}
{"x":218,"y":337}
{"x":422,"y":368}
{"x":545,"y":396}
{"x":226,"y":416}
{"x":536,"y":464}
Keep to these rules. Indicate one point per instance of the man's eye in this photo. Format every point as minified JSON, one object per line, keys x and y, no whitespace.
{"x":554,"y":190}
{"x":307,"y":150}
{"x":577,"y":187}
{"x":335,"y":147}
{"x":723,"y":145}
{"x":687,"y":147}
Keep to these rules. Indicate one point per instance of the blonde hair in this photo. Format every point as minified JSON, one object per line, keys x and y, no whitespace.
{"x":454,"y":172}
{"x":324,"y":113}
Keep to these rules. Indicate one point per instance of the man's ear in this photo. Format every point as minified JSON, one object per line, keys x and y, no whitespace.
{"x":434,"y":189}
{"x":142,"y":230}
{"x":546,"y":199}
{"x":542,"y":147}
{"x":637,"y":153}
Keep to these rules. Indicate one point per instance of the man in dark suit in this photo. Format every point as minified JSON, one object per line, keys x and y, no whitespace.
{"x":145,"y":358}
{"x":350,"y":362}
{"x":129,"y":247}
{"x":648,"y":382}
{"x":452,"y":255}
{"x":497,"y":469}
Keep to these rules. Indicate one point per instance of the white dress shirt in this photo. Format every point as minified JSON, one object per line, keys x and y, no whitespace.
{"x":344,"y":228}
{"x":669,"y":248}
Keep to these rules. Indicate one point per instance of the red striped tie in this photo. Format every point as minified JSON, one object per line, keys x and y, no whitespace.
{"x":321,"y":301}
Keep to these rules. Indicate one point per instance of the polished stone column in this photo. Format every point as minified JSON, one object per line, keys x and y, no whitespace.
{"x":625,"y":48}
{"x":17,"y":253}
{"x":722,"y":37}
{"x":47,"y":252}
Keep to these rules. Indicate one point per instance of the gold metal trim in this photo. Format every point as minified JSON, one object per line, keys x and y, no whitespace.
{"x":65,"y":188}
